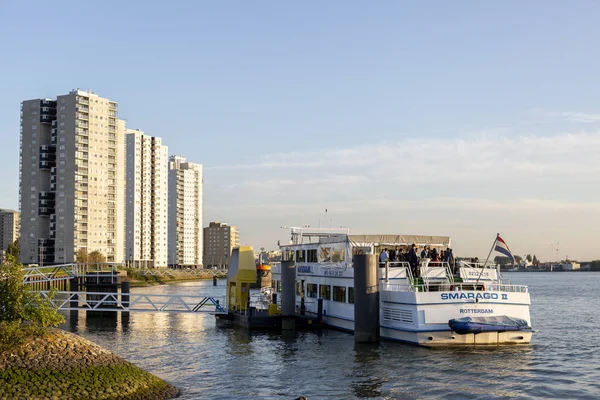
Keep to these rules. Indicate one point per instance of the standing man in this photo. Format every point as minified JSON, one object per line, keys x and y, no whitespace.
{"x":413,"y":259}
{"x":383,"y":257}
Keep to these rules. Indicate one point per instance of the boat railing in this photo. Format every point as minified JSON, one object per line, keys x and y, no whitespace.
{"x":456,"y":286}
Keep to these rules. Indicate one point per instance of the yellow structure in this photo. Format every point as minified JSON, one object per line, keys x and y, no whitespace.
{"x":241,"y":274}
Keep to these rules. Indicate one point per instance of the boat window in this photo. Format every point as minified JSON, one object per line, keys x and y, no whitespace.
{"x":338,"y":255}
{"x":300,"y":255}
{"x":339,"y":293}
{"x":325,"y":292}
{"x":279,"y":286}
{"x":298,"y":289}
{"x":288,"y":255}
{"x":351,"y":295}
{"x":311,"y":255}
{"x":325,"y":254}
{"x":311,"y":290}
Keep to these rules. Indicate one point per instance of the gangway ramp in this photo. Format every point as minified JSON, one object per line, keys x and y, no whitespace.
{"x":132,"y":302}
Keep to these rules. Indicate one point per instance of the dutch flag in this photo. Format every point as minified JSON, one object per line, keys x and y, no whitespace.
{"x":502,"y":247}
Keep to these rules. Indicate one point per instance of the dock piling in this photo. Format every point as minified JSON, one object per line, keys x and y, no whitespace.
{"x":366,"y":298}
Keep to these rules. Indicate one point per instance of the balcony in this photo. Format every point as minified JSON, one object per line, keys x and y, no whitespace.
{"x":48,"y":157}
{"x":47,"y":119}
{"x":47,"y":164}
{"x":82,"y":116}
{"x":45,"y":211}
{"x":46,"y":196}
{"x":45,"y":149}
{"x":83,"y":100}
{"x":54,"y":140}
{"x":48,"y":103}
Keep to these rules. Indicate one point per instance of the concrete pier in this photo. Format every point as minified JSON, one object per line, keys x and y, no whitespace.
{"x":288,"y":295}
{"x":366,"y":298}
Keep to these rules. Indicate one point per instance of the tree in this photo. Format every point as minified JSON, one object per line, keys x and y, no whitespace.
{"x":13,"y":249}
{"x":535,"y":261}
{"x":96,"y":257}
{"x":518,"y":259}
{"x":23,"y":312}
{"x":81,"y":256}
{"x":502,"y":260}
{"x":529,"y":258}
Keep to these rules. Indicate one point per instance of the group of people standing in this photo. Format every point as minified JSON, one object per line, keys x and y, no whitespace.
{"x":414,"y":257}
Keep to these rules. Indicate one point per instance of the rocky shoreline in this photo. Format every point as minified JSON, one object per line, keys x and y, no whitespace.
{"x":62,"y":365}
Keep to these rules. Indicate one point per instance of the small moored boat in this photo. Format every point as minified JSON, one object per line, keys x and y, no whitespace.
{"x":475,"y":325}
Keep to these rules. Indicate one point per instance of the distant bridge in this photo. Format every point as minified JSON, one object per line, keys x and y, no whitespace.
{"x":130,"y":302}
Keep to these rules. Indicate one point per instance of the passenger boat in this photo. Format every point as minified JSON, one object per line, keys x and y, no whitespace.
{"x":413,"y":309}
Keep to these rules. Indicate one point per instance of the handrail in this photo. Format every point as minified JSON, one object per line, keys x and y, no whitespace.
{"x":457,"y":286}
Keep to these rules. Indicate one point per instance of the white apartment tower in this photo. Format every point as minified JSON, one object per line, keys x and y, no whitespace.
{"x":185,"y":213}
{"x":146,"y":243}
{"x":9,"y":230}
{"x":72,"y":178}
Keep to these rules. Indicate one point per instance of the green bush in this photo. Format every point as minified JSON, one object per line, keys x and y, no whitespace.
{"x":23,"y":312}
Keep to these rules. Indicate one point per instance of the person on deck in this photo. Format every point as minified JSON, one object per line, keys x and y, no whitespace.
{"x":383,"y":257}
{"x":434,"y":255}
{"x":425,"y":252}
{"x":413,"y":259}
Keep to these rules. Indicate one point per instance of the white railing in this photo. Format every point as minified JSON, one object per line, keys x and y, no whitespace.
{"x":456,"y":286}
{"x":174,"y":272}
{"x":101,"y":301}
{"x":54,"y":273}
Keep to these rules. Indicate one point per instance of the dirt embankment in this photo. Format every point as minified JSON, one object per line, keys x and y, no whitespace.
{"x":63,"y":365}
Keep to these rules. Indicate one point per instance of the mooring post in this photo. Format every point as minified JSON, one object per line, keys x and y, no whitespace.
{"x":214,"y":280}
{"x":73,"y":288}
{"x":288,"y":295}
{"x":366,"y":298}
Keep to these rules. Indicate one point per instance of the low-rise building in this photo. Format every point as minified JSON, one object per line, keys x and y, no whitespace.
{"x":219,"y":240}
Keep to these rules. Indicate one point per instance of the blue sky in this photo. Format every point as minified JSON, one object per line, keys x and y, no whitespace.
{"x":461,"y":118}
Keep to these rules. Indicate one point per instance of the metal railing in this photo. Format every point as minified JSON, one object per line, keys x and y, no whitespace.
{"x":54,"y":273}
{"x":102,"y":301}
{"x":457,"y":286}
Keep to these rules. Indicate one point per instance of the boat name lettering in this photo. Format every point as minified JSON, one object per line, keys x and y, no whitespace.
{"x":304,"y":269}
{"x":472,"y":296}
{"x":476,"y":311}
{"x":334,"y":273}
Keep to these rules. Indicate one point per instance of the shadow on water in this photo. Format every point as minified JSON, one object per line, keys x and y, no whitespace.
{"x":366,"y":382}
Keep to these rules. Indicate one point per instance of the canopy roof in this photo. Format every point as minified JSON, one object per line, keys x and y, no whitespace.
{"x":388,"y":240}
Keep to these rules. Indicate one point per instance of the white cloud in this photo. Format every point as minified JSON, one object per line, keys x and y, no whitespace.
{"x":536,"y":188}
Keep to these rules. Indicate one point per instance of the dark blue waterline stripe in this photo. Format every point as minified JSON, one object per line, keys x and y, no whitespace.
{"x":415,"y":330}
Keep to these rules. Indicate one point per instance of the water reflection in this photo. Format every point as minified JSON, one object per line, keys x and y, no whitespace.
{"x":207,"y":362}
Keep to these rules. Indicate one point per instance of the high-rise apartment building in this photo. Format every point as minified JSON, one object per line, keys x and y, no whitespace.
{"x":72,"y":178}
{"x":146,"y":224}
{"x":219,"y":241}
{"x":185,"y":213}
{"x":9,"y":230}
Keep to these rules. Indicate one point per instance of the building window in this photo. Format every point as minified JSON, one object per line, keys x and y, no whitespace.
{"x":351,"y":295}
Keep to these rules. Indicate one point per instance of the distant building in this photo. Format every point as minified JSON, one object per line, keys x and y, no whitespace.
{"x":146,"y":210}
{"x":72,"y":178}
{"x":570,"y":266}
{"x":185,"y":213}
{"x":219,"y":241}
{"x":9,"y":230}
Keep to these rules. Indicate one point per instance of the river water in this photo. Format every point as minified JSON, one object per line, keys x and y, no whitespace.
{"x":206,"y":362}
